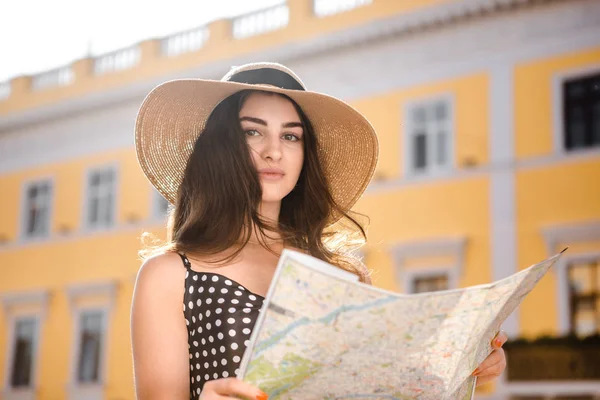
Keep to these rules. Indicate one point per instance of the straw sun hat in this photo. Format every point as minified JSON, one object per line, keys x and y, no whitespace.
{"x":174,"y":114}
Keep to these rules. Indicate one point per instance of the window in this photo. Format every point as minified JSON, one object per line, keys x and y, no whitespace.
{"x":23,"y":352}
{"x":432,"y":283}
{"x":90,"y":346}
{"x":38,"y":198}
{"x":584,"y":297}
{"x":324,"y":8}
{"x":429,"y":136}
{"x":101,"y":198}
{"x":581,"y":112}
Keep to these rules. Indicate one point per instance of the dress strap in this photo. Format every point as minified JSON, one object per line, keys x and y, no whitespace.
{"x":185,"y":260}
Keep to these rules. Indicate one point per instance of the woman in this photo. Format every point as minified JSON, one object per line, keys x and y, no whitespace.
{"x":253,"y":164}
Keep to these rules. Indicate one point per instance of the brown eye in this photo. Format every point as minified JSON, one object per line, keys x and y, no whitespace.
{"x":291,"y":137}
{"x":252,"y":132}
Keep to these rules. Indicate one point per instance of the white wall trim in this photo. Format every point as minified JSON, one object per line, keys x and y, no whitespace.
{"x":10,"y":302}
{"x":454,"y":247}
{"x":558,"y":103}
{"x":551,"y":389}
{"x":564,"y":235}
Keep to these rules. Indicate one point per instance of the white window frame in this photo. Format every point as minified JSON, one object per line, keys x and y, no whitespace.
{"x":453,"y":247}
{"x":11,"y":302}
{"x":87,"y":197}
{"x":559,"y":235}
{"x":76,"y":293}
{"x":558,"y":105}
{"x":431,"y":169}
{"x":24,"y":218}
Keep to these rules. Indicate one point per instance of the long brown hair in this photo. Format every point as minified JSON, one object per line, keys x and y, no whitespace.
{"x":218,"y":199}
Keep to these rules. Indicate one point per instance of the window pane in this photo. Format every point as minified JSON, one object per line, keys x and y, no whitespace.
{"x":419,"y":115}
{"x":584,"y":295}
{"x":38,"y":209}
{"x":441,"y":148}
{"x":420,"y":151}
{"x":89,"y":352}
{"x":596,"y":123}
{"x":23,"y":352}
{"x":430,"y":283}
{"x":93,"y":211}
{"x":581,"y":112}
{"x":576,"y":128}
{"x":441,"y":112}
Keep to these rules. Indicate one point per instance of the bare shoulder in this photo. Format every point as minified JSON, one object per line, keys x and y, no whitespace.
{"x":164,"y":273}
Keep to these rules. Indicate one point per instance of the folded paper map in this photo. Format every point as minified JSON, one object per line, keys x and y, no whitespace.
{"x":324,"y":335}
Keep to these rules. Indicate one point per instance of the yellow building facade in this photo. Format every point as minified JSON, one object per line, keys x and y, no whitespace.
{"x":488,"y":114}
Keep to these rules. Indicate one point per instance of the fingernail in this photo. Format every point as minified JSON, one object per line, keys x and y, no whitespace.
{"x":475,"y":372}
{"x":498,"y":342}
{"x":262,"y":396}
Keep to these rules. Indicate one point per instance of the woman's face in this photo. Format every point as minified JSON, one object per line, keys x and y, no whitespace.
{"x":275,"y":137}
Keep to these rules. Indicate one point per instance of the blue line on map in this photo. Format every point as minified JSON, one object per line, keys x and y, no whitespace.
{"x":275,"y":338}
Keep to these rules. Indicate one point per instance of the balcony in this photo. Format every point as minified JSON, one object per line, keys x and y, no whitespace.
{"x":259,"y":22}
{"x":117,"y":60}
{"x":553,"y":359}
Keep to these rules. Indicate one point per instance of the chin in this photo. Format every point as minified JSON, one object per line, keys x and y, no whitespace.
{"x":273,"y":196}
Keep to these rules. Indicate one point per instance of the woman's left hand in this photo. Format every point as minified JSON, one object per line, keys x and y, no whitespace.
{"x":495,"y":363}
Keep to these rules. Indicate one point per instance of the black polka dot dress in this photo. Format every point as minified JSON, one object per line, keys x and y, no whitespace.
{"x":219,"y":314}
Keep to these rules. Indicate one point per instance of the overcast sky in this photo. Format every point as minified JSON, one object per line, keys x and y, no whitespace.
{"x":36,"y":35}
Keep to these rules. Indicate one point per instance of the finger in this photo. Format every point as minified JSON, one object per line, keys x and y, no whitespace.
{"x":493,"y":365}
{"x":235,"y":387}
{"x":499,"y":340}
{"x":484,"y":379}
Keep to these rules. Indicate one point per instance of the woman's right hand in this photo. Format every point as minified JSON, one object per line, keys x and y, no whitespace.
{"x":231,"y":388}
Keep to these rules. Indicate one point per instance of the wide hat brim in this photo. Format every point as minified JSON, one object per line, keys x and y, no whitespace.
{"x":174,"y":114}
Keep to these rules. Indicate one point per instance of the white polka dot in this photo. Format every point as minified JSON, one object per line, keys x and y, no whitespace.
{"x":201,"y":289}
{"x":204,"y":353}
{"x":247,"y":310}
{"x":211,"y":339}
{"x":246,"y":343}
{"x":246,"y":331}
{"x":228,"y":282}
{"x":241,"y":287}
{"x":221,"y":301}
{"x":225,"y":374}
{"x":195,"y":344}
{"x":198,"y":378}
{"x":236,"y":359}
{"x":252,"y":297}
{"x":213,"y":351}
{"x":222,"y":348}
{"x":218,"y":311}
{"x":215,"y":375}
{"x":247,"y":320}
{"x":198,"y":366}
{"x":191,"y":289}
{"x":231,"y":333}
{"x":223,"y":362}
{"x":203,"y":341}
{"x":200,"y":317}
{"x":234,"y":346}
{"x":207,"y":377}
{"x":187,"y":322}
{"x":184,"y":307}
{"x":191,"y":367}
{"x":199,"y":329}
{"x":199,"y":302}
{"x":190,"y":356}
{"x":208,"y":326}
{"x":208,"y":301}
{"x":193,"y":319}
{"x":198,"y":391}
{"x":220,"y":335}
{"x":203,"y":277}
{"x":190,"y":304}
{"x":237,"y":293}
{"x":195,"y":277}
{"x":224,"y":290}
{"x":193,"y":332}
{"x":187,"y":273}
{"x":211,"y":289}
{"x":215,"y":363}
{"x":218,"y":322}
{"x":231,"y":321}
{"x":215,"y":278}
{"x":235,"y":301}
{"x":208,"y":313}
{"x":206,"y":365}
{"x":192,"y":379}
{"x":249,"y":305}
{"x":231,"y":310}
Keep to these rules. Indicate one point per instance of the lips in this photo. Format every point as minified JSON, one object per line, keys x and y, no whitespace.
{"x":271,"y":173}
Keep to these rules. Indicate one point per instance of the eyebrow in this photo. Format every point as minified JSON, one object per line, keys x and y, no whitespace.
{"x":264,"y":123}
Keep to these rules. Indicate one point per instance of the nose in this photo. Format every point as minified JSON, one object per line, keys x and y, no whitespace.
{"x":272,"y":148}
